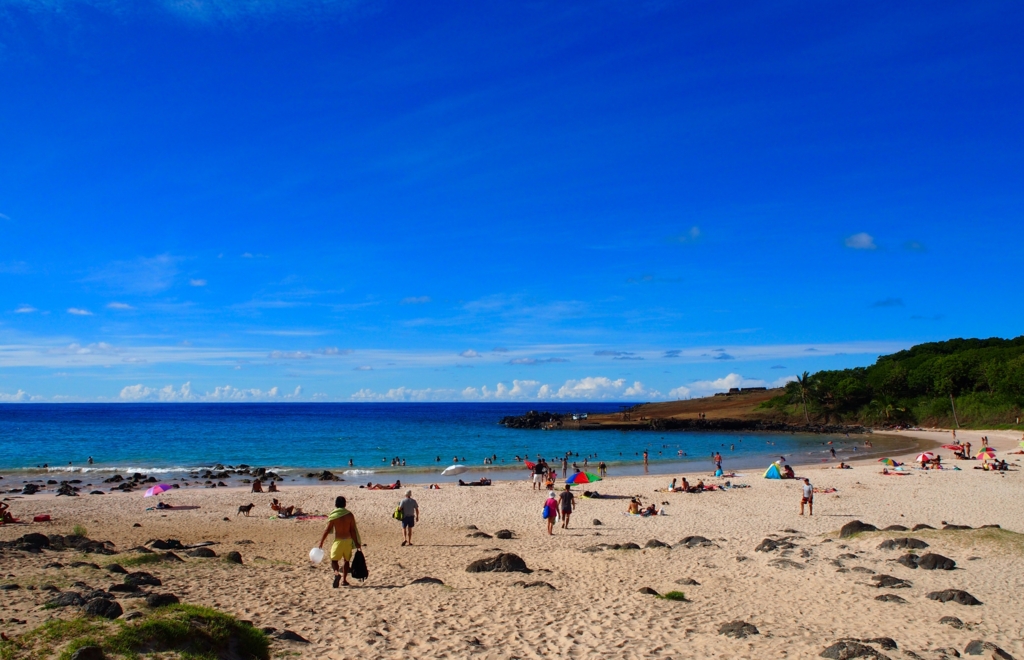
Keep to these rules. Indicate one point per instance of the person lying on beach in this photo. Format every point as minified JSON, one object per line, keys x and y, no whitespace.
{"x":372,"y":486}
{"x":591,"y":494}
{"x":433,"y":487}
{"x":161,"y":506}
{"x":482,"y":482}
{"x":649,"y":511}
{"x":698,"y":488}
{"x":842,"y":466}
{"x":257,"y":486}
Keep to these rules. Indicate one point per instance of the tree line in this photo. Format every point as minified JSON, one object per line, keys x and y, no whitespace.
{"x":973,"y":382}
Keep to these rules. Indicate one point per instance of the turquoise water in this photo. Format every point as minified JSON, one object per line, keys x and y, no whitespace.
{"x":297,"y":438}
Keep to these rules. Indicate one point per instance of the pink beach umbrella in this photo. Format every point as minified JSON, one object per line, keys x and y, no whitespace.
{"x":157,"y":489}
{"x":926,"y":456}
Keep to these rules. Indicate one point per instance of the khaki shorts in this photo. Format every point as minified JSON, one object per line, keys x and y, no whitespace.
{"x":341,"y":549}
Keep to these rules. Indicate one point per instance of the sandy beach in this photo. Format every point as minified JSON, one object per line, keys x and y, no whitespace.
{"x":801,"y":599}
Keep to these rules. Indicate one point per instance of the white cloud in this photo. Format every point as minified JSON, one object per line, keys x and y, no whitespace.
{"x":145,"y":275}
{"x":681,"y":392}
{"x":363,"y":368}
{"x":119,"y":305}
{"x":334,"y":350}
{"x":724,"y":384}
{"x":79,"y":312}
{"x":288,"y":355}
{"x":469,"y":353}
{"x":416,"y":300}
{"x":168,"y":394}
{"x":600,"y":387}
{"x":17,"y":397}
{"x":25,"y":309}
{"x":405,"y":394}
{"x":861,"y":241}
{"x":197,"y":282}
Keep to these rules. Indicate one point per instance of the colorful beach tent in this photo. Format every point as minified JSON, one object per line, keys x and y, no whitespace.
{"x":773,"y":472}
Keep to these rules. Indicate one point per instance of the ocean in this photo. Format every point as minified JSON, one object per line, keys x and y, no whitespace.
{"x":297,"y":438}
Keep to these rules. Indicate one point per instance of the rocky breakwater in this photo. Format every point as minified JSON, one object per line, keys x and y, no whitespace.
{"x":532,"y":420}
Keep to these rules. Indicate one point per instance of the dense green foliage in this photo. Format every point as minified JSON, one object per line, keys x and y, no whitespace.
{"x":984,"y":377}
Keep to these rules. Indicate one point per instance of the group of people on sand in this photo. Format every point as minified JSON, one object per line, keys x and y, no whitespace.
{"x":559,"y":508}
{"x":636,"y":508}
{"x":257,"y":486}
{"x":685,"y":486}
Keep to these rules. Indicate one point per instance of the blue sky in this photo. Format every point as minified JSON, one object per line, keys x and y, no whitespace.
{"x":313,"y":200}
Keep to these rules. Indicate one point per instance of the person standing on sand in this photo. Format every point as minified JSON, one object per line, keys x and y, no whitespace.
{"x":808,"y":498}
{"x":565,"y":467}
{"x":602,"y":469}
{"x":346,"y":536}
{"x":566,"y":503}
{"x":551,"y":505}
{"x":410,"y":516}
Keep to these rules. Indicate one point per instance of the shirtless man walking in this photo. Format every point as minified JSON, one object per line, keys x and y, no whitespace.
{"x":346,"y":538}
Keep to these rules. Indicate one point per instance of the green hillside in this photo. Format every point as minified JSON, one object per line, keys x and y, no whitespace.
{"x":984,"y":377}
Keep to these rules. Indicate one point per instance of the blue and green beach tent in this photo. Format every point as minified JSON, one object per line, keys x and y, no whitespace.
{"x":773,"y":472}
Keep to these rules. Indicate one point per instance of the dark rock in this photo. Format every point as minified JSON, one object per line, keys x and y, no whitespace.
{"x":142,"y":578}
{"x":990,"y":527}
{"x":291,"y":636}
{"x":170,"y":556}
{"x":848,"y":649}
{"x":890,"y":582}
{"x":887,"y":643}
{"x":978,"y":647}
{"x":592,"y":548}
{"x":538,"y":584}
{"x":696,"y":541}
{"x":504,"y":534}
{"x":895,"y":528}
{"x":88,"y":653}
{"x":770,"y":545}
{"x":785,"y":563}
{"x":891,"y":598}
{"x":648,"y":591}
{"x":67,"y":599}
{"x":160,"y":600}
{"x":952,"y":621}
{"x":141,"y":549}
{"x":83,"y":564}
{"x":479,"y":535}
{"x":97,"y":492}
{"x":169,"y":544}
{"x":596,"y":523}
{"x":131,"y":616}
{"x":50,"y":588}
{"x":862,"y":569}
{"x":116,"y":568}
{"x":37,"y":540}
{"x":201,"y":552}
{"x":427,"y":580}
{"x":629,"y":546}
{"x":30,"y":489}
{"x":123,"y":588}
{"x":689,"y":582}
{"x":94,"y":594}
{"x":505,"y":562}
{"x":855,"y":527}
{"x":233,"y":557}
{"x":908,"y":560}
{"x":933,"y":562}
{"x":471,"y":528}
{"x":738,"y":629}
{"x":903,"y":543}
{"x":137,"y":525}
{"x":955,"y":595}
{"x":54,"y":564}
{"x":918,"y":527}
{"x":9,"y":587}
{"x":103,"y":607}
{"x":948,"y":526}
{"x":847,"y":555}
{"x":655,"y":543}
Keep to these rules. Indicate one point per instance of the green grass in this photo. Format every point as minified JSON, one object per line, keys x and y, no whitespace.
{"x":139,"y":560}
{"x":188,"y":632}
{"x":673,"y":595}
{"x":79,"y":530}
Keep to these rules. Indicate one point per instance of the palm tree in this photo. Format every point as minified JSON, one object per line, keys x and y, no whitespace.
{"x":804,"y":382}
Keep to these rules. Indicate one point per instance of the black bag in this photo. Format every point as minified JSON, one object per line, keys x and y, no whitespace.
{"x":359,"y":571}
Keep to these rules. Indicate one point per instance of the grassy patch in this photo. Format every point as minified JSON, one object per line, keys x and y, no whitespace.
{"x":177,"y":631}
{"x":991,"y":538}
{"x":79,"y":530}
{"x":673,"y":595}
{"x":141,"y":559}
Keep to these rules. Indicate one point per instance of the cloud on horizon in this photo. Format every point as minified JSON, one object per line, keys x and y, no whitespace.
{"x":184,"y":394}
{"x":77,"y":311}
{"x":888,"y":302}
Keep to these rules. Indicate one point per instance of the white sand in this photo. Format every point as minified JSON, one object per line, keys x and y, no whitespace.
{"x":596,"y":610}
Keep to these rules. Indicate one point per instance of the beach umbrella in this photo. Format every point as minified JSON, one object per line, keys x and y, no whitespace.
{"x":888,"y":461}
{"x":987,"y":452}
{"x":926,"y":456}
{"x":953,"y":447}
{"x":157,"y":489}
{"x":455,"y":469}
{"x":529,"y":465}
{"x":582,"y":478}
